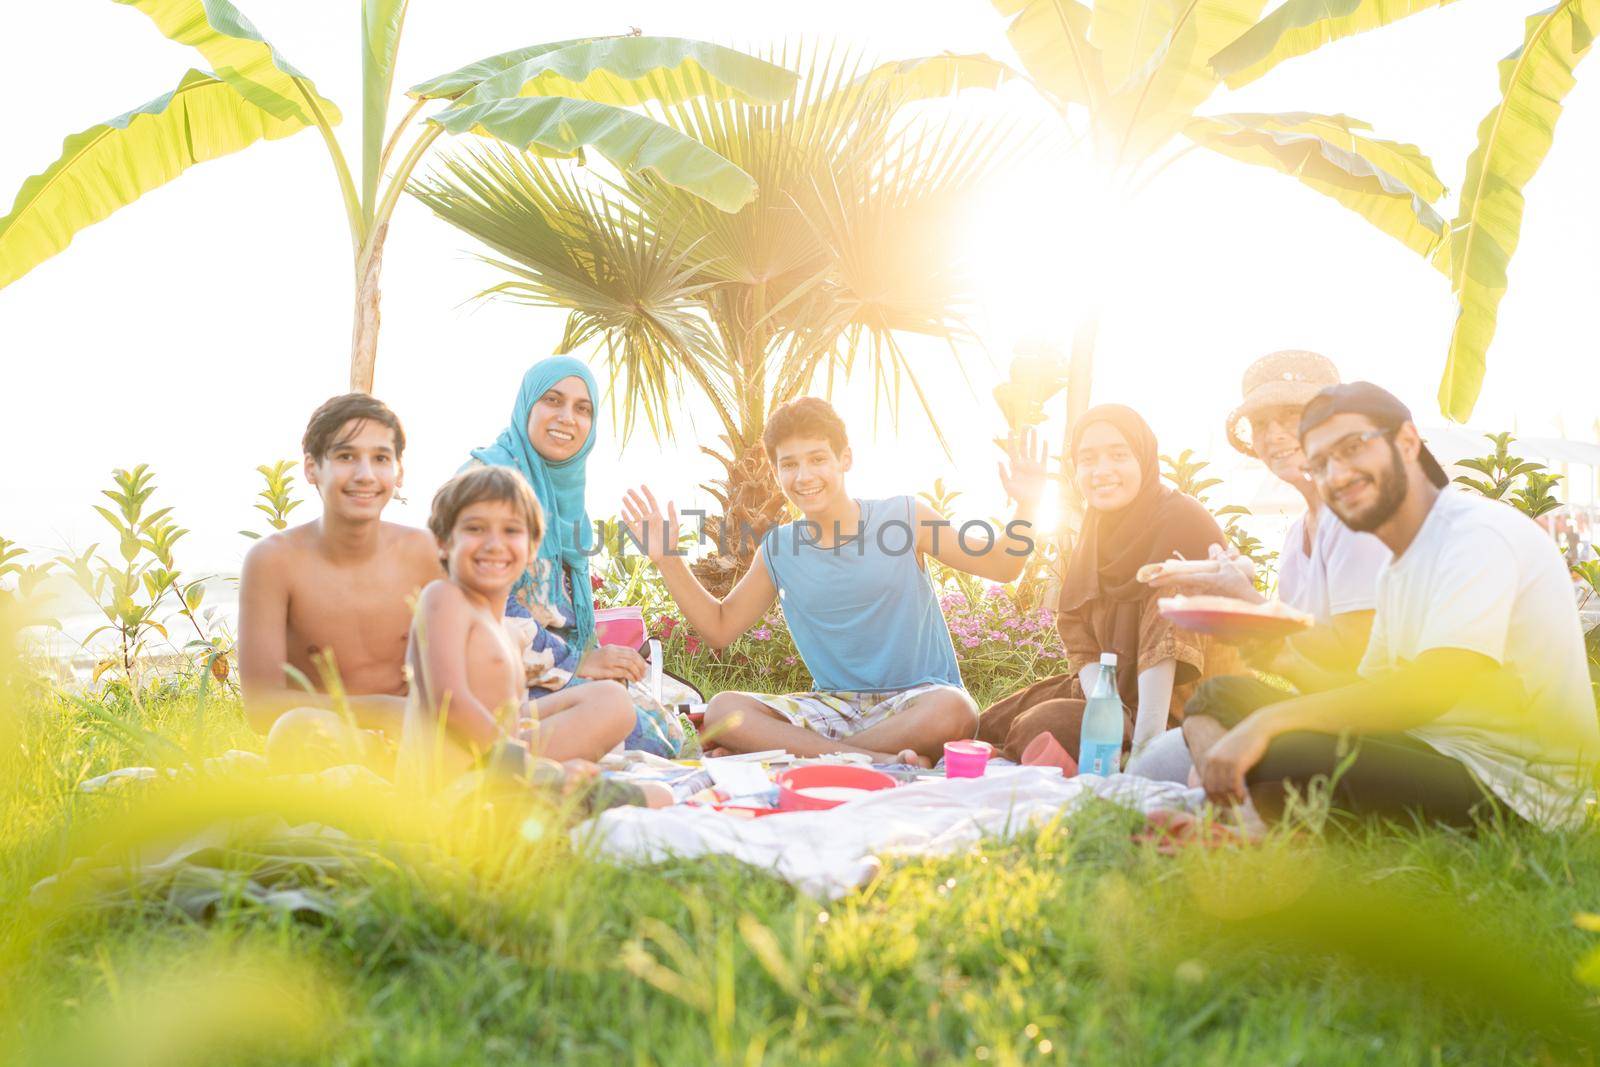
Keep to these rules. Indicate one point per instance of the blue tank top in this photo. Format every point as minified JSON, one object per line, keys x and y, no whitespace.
{"x":863,"y":613}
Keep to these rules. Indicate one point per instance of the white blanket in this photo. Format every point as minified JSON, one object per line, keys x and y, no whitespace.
{"x":829,"y":853}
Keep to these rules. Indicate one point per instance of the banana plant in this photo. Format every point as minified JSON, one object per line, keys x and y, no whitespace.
{"x":1513,"y":139}
{"x":1128,"y":78}
{"x":1136,"y":71}
{"x":558,"y":99}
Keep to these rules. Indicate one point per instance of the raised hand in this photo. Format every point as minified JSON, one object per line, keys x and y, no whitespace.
{"x":642,"y":516}
{"x":1023,"y":474}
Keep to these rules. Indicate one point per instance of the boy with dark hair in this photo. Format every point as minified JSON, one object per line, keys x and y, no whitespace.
{"x":469,"y":683}
{"x":854,"y":588}
{"x":328,"y":601}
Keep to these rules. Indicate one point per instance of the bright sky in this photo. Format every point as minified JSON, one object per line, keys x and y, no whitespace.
{"x":196,"y":329}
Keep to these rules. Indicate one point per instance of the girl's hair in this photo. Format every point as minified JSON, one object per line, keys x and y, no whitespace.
{"x":486,"y":483}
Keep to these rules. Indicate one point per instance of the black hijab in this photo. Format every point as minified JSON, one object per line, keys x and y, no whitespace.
{"x":1157,"y":524}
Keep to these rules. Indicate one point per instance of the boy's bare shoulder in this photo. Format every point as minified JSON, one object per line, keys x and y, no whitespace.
{"x":441,"y":595}
{"x":415,"y":545}
{"x":277,"y":549}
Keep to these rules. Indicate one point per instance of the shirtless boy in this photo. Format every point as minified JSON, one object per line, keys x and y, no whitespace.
{"x":469,"y":683}
{"x":331,"y":598}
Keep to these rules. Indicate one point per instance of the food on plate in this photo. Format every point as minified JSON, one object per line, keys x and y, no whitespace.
{"x":1178,"y":568}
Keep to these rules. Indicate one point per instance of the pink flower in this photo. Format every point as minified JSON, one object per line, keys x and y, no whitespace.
{"x":596,"y":583}
{"x":761,"y":633}
{"x":970,"y":642}
{"x":666,"y":625}
{"x":789,"y":661}
{"x":691,"y":644}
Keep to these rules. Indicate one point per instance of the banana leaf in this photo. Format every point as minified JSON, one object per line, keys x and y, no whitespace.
{"x":1052,"y":39}
{"x":381,"y":23}
{"x":632,"y":70}
{"x":113,"y":163}
{"x":634,"y":143}
{"x":1513,"y":139}
{"x":1151,"y":107}
{"x":1323,"y":152}
{"x":1301,"y":26}
{"x":238,"y":55}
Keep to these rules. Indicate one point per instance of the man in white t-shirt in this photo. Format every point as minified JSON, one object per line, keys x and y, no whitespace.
{"x":1475,"y":690}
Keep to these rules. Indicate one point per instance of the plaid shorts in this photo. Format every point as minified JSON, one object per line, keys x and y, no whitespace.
{"x":839,"y":715}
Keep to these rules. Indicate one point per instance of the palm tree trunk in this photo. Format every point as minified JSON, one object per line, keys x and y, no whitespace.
{"x":364,"y":332}
{"x":1080,"y":381}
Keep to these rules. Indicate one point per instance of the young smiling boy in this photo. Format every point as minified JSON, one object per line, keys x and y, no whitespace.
{"x":853,"y":583}
{"x":468,"y":680}
{"x":329,"y":599}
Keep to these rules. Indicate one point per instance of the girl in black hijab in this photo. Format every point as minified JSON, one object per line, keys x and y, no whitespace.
{"x":1131,"y":519}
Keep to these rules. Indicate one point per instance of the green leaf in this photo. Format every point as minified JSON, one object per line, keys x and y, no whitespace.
{"x":624,"y":71}
{"x":381,"y":23}
{"x":1301,"y":26}
{"x":1160,"y":94}
{"x":1052,"y":39}
{"x":110,"y":165}
{"x":1513,"y":139}
{"x":238,"y":56}
{"x":1128,"y":33}
{"x":1389,"y":184}
{"x":932,"y":76}
{"x":637,"y":144}
{"x":452,"y":85}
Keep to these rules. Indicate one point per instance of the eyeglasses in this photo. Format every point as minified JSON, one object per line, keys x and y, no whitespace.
{"x":1344,"y":450}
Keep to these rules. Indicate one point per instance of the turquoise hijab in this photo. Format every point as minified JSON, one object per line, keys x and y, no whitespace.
{"x":560,"y":488}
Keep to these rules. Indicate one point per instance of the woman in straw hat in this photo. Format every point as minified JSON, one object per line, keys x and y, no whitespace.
{"x":1325,"y":569}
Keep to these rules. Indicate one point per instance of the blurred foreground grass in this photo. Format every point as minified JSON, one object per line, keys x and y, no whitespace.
{"x":478,"y":934}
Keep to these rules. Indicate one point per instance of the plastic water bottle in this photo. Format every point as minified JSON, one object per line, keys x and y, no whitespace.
{"x":1100,"y":743}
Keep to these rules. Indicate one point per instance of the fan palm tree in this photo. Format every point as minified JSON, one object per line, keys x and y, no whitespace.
{"x":1131,"y":74}
{"x":848,"y":246}
{"x":555,"y":99}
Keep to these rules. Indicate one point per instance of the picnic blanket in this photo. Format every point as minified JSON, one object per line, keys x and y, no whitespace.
{"x":829,"y":853}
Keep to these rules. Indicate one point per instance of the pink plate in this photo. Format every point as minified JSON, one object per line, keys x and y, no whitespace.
{"x":1229,"y":625}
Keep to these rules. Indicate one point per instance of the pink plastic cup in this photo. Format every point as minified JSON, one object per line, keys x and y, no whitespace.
{"x":966,"y":759}
{"x":619,"y":626}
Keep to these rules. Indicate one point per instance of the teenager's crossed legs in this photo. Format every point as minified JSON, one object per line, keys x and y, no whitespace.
{"x":909,"y":725}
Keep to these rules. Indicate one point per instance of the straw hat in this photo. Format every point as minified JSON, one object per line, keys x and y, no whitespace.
{"x":1283,"y":379}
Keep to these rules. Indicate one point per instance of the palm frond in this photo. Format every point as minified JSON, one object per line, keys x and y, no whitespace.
{"x":848,"y":244}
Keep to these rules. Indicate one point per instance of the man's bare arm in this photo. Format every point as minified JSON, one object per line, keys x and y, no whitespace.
{"x":263,"y":637}
{"x":1325,"y":656}
{"x":998,"y":555}
{"x":976,"y":547}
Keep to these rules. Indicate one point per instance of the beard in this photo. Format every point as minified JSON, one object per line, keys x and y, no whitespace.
{"x":1391,"y":485}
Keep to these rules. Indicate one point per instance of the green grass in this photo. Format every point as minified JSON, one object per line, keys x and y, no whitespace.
{"x":470,"y":939}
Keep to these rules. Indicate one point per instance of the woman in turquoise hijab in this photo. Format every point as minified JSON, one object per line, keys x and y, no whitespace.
{"x":549,"y":439}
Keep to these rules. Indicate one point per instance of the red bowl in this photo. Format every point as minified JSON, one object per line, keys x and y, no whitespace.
{"x":795,"y":785}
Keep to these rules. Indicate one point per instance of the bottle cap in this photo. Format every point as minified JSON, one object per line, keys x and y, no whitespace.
{"x":1108,"y":659}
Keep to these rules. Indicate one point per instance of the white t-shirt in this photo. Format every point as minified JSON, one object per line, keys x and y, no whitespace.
{"x":1339,"y":575}
{"x":1484,"y":578}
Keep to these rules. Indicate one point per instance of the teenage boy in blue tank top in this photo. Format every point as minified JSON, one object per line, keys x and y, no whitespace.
{"x":851,"y":576}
